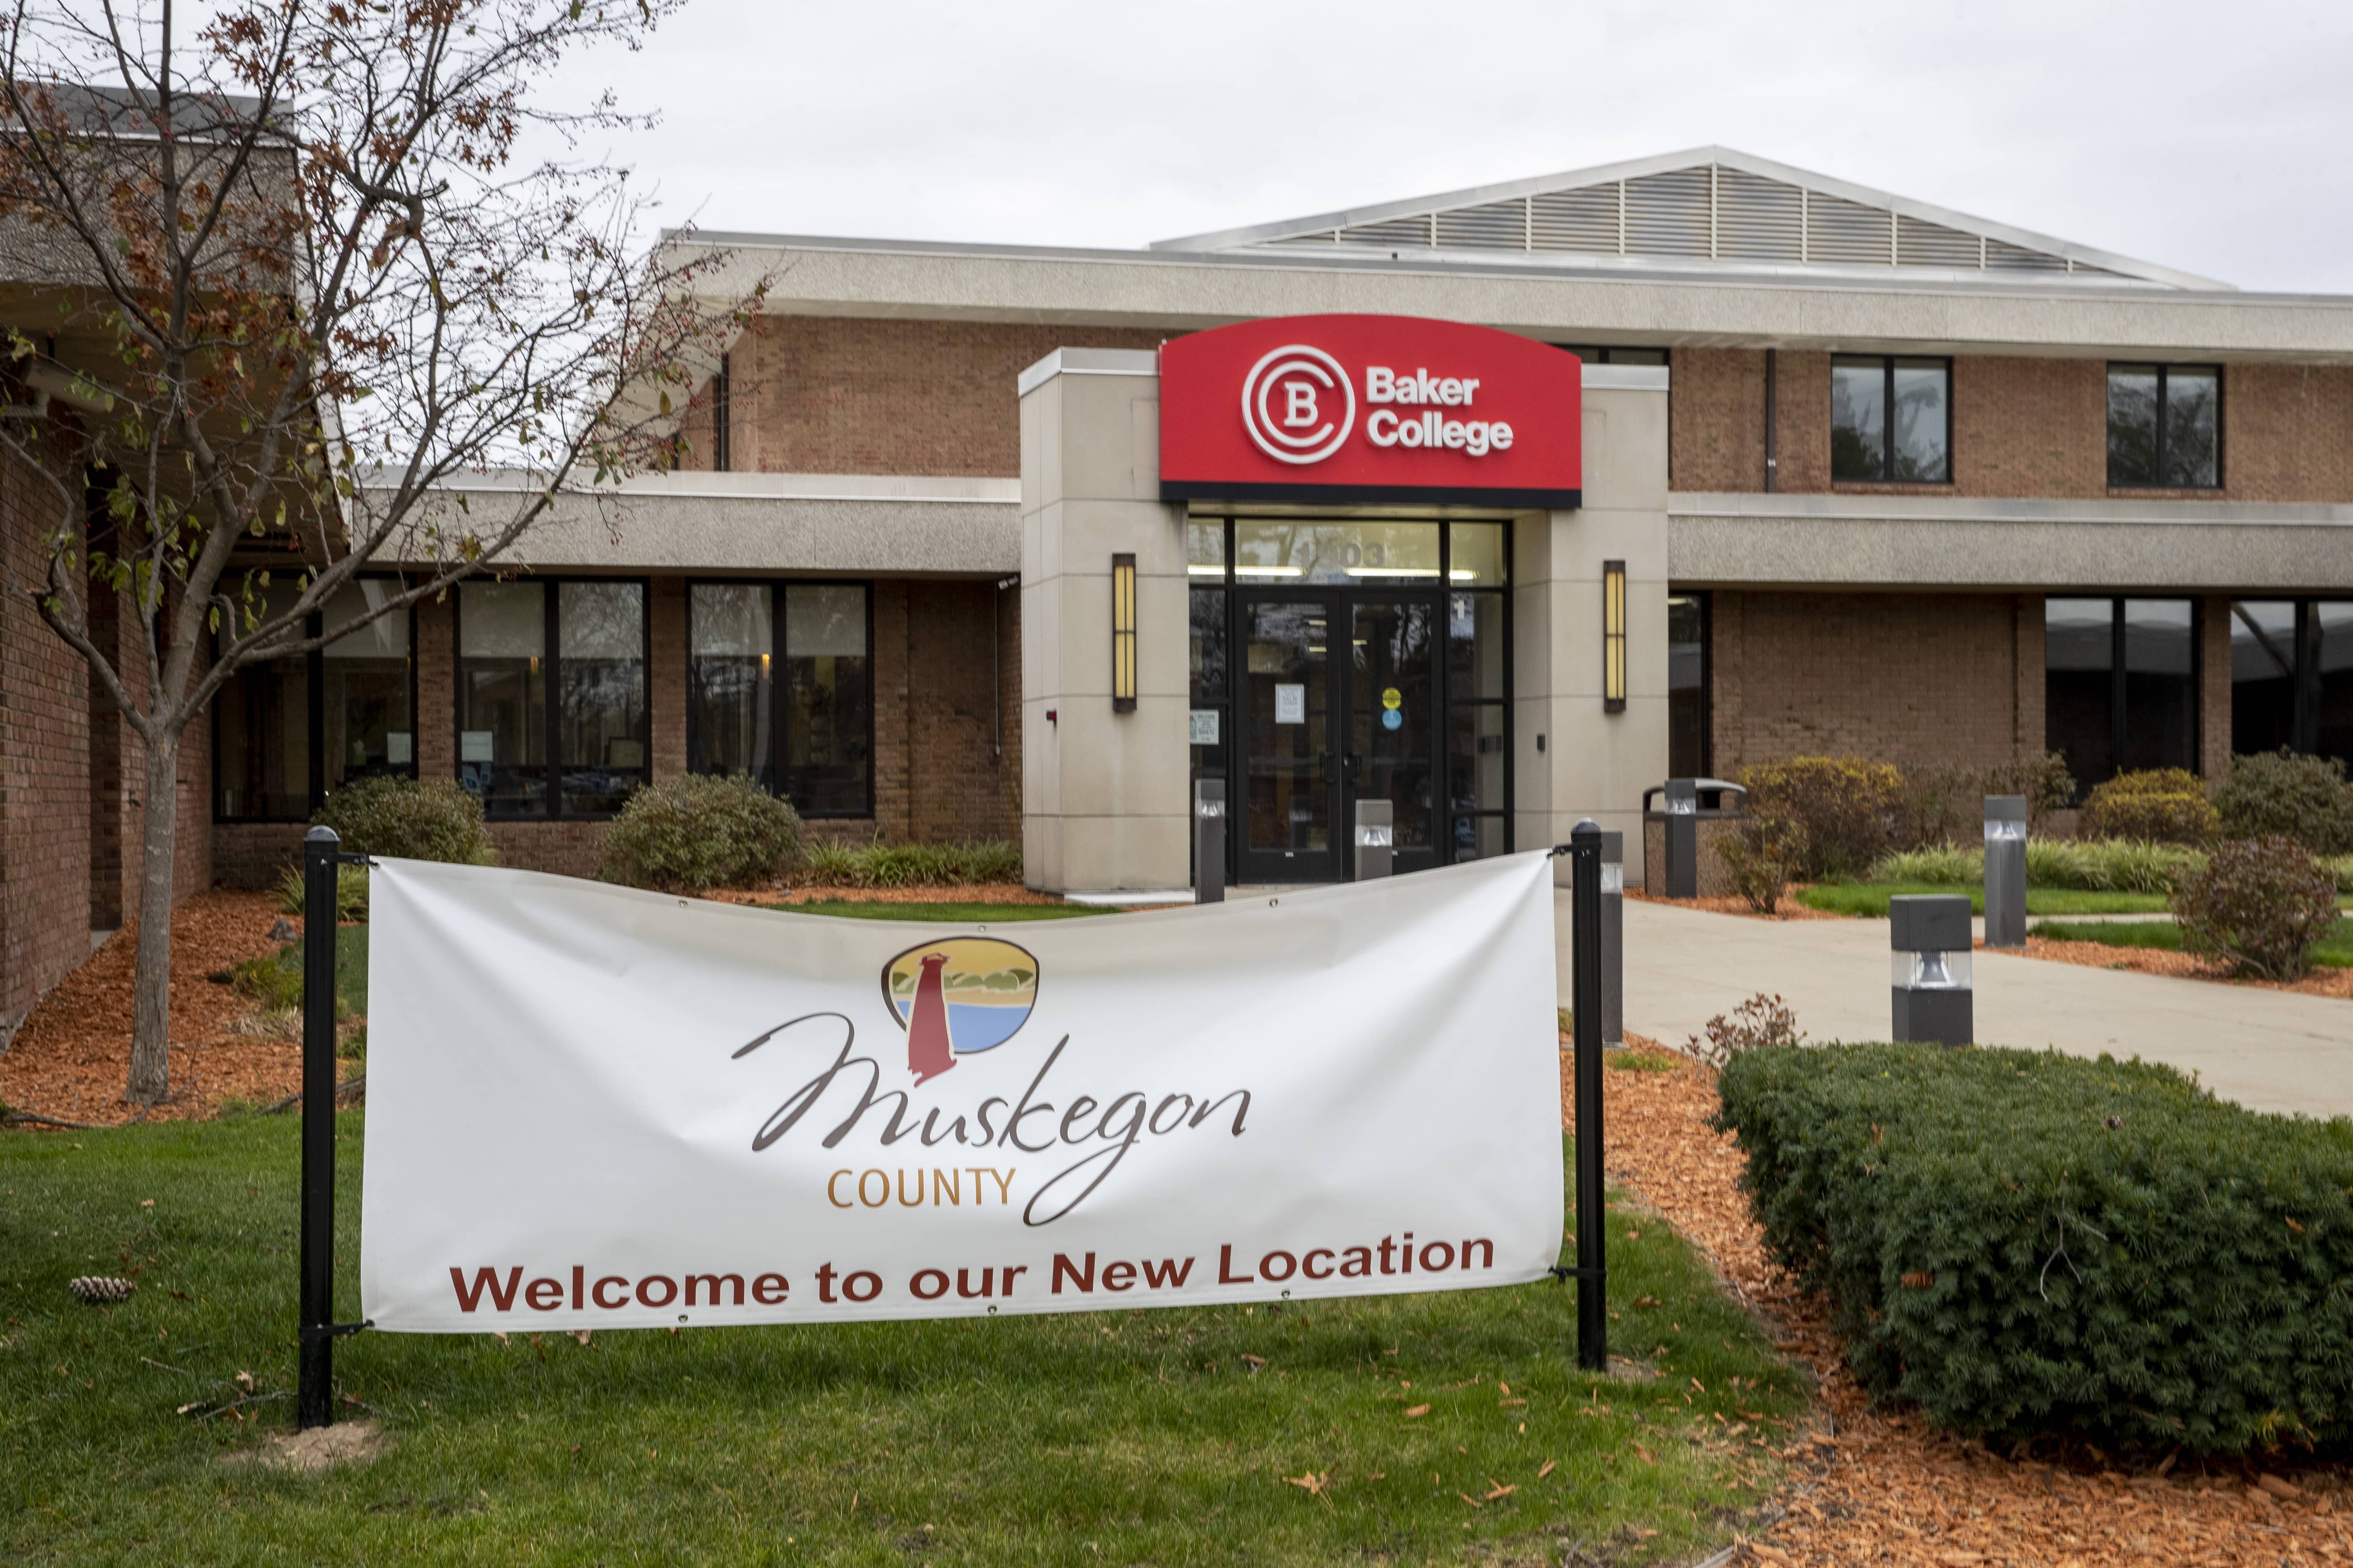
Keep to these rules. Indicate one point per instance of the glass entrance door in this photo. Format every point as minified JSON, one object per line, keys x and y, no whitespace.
{"x":1290,"y":765}
{"x":1393,"y":721}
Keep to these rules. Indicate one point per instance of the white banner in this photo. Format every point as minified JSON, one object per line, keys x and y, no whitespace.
{"x":591,"y":1107}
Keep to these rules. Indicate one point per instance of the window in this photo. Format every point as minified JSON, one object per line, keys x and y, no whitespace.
{"x":2165,"y":425}
{"x":1615,"y":356}
{"x":1687,"y":727}
{"x":2120,"y":685}
{"x":802,"y":728}
{"x":1205,"y":563}
{"x":289,"y":732}
{"x":2292,"y":677}
{"x":1891,"y":419}
{"x":723,"y":419}
{"x":552,"y":695}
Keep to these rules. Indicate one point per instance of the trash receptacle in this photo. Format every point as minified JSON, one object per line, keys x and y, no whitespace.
{"x":1679,"y":835}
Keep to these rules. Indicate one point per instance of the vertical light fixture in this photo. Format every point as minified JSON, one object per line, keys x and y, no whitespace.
{"x":1613,"y":637}
{"x":1123,"y":634}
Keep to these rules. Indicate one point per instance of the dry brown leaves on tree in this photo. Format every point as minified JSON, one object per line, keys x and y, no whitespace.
{"x":69,"y":1059}
{"x":1878,"y":1486}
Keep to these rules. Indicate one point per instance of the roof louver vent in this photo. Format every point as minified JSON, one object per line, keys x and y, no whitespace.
{"x":1580,"y":220}
{"x":1759,"y":219}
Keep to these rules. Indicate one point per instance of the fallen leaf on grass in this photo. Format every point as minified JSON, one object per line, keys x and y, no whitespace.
{"x":1545,"y":1471}
{"x":1310,"y":1483}
{"x":1501,"y":1489}
{"x":1418,"y":1410}
{"x":1508,"y":1402}
{"x":581,"y":1334}
{"x":1256,"y":1362}
{"x":1466,"y":1497}
{"x":245,"y":1381}
{"x":1647,"y":1458}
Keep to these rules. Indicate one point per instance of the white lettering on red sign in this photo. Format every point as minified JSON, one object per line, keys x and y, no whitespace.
{"x":1300,"y":407}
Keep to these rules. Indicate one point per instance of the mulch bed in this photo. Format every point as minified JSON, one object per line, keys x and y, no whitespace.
{"x":1877,"y":1486}
{"x":71,"y":1059}
{"x":974,"y":894}
{"x":2181,"y":965}
{"x":1789,"y":909}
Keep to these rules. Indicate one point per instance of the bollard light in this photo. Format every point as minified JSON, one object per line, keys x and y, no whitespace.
{"x":1682,"y":839}
{"x":1376,"y":838}
{"x":1208,"y":841}
{"x":2005,"y":871}
{"x":1613,"y":637}
{"x":1123,"y":634}
{"x":1613,"y":941}
{"x":1930,"y":967}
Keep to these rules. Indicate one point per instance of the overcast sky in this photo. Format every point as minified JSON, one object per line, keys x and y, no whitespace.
{"x":2210,"y":138}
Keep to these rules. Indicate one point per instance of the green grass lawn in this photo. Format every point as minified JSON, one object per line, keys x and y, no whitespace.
{"x":1870,"y":899}
{"x":2336,"y":949}
{"x":957,"y":914}
{"x":1118,"y":1437}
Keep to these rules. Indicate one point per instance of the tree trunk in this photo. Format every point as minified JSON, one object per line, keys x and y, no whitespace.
{"x":151,"y":1011}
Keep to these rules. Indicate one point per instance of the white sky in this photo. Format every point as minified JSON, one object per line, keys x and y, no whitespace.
{"x":2208,"y":137}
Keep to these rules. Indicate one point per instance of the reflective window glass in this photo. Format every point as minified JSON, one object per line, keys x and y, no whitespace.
{"x":2193,"y":447}
{"x":2262,"y":675}
{"x":730,"y":679}
{"x":1204,"y":548}
{"x":1686,"y":686}
{"x":2160,"y":689}
{"x":502,"y":696}
{"x":1858,"y":419}
{"x":2165,"y":426}
{"x":1922,"y":422}
{"x":1477,"y":555}
{"x":2332,"y":679}
{"x":1271,"y":551}
{"x":366,"y":680}
{"x":2078,"y":687}
{"x":828,"y":699}
{"x":601,"y":719}
{"x":2132,"y":425}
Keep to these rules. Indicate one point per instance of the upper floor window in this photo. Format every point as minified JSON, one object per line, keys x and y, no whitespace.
{"x":1891,"y":419}
{"x":2165,"y":426}
{"x":1593,"y":355}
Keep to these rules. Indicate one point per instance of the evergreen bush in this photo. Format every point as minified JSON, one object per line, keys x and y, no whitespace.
{"x":2160,"y":806}
{"x":409,"y":819}
{"x":2027,"y":1243}
{"x":695,"y":831}
{"x":2261,"y":905}
{"x":2279,"y":792}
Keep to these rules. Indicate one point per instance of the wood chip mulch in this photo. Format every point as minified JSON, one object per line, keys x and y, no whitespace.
{"x":1877,"y":1486}
{"x":1789,"y":909}
{"x":2336,"y":983}
{"x":974,"y":893}
{"x":71,"y":1058}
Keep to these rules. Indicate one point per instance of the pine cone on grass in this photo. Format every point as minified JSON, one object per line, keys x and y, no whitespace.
{"x":101,"y":1290}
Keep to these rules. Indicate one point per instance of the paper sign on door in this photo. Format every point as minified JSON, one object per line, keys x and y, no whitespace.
{"x":1290,"y":704}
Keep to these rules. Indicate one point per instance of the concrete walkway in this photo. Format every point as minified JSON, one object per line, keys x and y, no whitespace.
{"x":2270,"y":1050}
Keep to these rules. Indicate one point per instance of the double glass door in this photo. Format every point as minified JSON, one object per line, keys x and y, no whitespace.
{"x":1338,"y":702}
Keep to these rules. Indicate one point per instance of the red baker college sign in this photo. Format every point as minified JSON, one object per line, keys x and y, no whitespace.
{"x":1369,"y":408}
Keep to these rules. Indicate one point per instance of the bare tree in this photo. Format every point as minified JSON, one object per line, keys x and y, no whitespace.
{"x":297,"y":249}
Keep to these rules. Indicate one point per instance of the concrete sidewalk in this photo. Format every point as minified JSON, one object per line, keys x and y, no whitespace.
{"x":2270,"y":1050}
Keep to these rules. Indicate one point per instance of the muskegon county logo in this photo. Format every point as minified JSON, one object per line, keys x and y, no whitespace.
{"x":955,"y":997}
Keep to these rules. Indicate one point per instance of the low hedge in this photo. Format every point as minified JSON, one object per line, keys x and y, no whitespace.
{"x":2160,"y":806}
{"x":692,"y":832}
{"x":2027,"y":1243}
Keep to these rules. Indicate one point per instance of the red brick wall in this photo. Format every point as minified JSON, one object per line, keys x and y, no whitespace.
{"x":2021,"y":428}
{"x":838,"y":394}
{"x":1900,"y":677}
{"x":44,"y":768}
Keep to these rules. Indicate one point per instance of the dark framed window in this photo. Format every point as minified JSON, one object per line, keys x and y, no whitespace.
{"x":1688,"y":748}
{"x":723,"y":419}
{"x":1598,"y":355}
{"x":2164,"y":426}
{"x":1891,"y":419}
{"x":551,"y":710}
{"x":287,"y":732}
{"x":2292,"y":677}
{"x":2120,"y":685}
{"x":802,"y":725}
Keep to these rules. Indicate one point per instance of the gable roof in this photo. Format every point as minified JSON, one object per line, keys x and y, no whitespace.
{"x":1711,"y":208}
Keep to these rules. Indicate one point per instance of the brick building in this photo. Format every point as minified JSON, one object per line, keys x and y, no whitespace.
{"x":1874,"y":476}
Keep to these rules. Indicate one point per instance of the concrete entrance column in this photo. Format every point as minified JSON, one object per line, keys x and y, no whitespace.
{"x":1106,"y":796}
{"x":1594,"y":764}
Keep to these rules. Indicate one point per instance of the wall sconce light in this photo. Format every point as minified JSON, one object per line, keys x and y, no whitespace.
{"x":1613,"y":637}
{"x":1123,"y":634}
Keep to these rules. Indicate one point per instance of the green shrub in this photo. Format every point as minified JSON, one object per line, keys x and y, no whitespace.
{"x":2279,"y":792}
{"x":273,"y":980}
{"x":1942,"y":865}
{"x":350,"y":892}
{"x":881,"y":865}
{"x":2339,"y":867}
{"x":2260,"y":904}
{"x":411,"y":819}
{"x":2162,"y":805}
{"x":1758,"y":855}
{"x":2109,"y":865}
{"x":831,"y":865}
{"x":2027,"y":1243}
{"x":694,"y":831}
{"x":1845,"y":810}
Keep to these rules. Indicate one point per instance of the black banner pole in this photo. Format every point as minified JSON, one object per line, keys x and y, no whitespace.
{"x":313,"y":1405}
{"x":1584,"y":1012}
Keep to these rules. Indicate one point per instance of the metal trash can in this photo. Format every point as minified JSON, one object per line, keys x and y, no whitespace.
{"x":1679,"y":835}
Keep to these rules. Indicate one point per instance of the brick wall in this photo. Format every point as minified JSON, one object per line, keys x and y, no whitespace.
{"x":44,"y":770}
{"x":837,"y":394}
{"x":2021,"y":428}
{"x":1899,"y":677}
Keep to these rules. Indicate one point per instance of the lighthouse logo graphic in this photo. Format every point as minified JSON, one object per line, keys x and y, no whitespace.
{"x":958,"y":996}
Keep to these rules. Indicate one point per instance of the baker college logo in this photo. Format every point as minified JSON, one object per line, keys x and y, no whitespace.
{"x":1298,"y":405}
{"x":958,"y":997}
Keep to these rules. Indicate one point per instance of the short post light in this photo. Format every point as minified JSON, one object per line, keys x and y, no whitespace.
{"x":2005,"y":871}
{"x":1123,"y":634}
{"x":1376,"y":838}
{"x":1613,"y":637}
{"x":1682,"y":839}
{"x":1613,"y":941}
{"x":1208,"y":841}
{"x":1930,"y":967}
